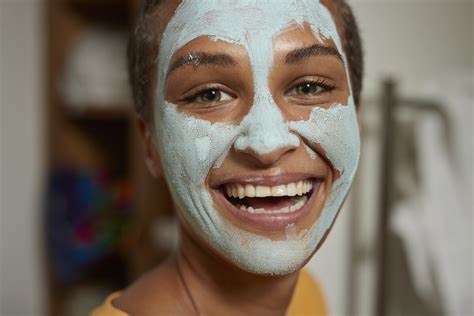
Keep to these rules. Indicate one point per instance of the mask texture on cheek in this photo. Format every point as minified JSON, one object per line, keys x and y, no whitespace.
{"x":336,"y":130}
{"x":191,"y":147}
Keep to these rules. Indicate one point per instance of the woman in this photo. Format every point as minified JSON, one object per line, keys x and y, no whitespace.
{"x":248,"y":110}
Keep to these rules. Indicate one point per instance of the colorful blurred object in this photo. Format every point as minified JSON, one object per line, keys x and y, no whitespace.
{"x":86,"y":213}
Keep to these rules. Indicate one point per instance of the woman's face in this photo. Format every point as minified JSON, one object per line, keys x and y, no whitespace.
{"x":256,"y":127}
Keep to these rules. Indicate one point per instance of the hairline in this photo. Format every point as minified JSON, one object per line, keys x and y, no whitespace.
{"x":340,"y":12}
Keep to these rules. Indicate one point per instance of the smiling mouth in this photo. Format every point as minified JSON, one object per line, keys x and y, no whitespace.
{"x":270,"y":200}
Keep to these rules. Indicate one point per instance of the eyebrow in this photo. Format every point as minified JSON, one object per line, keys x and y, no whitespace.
{"x":201,"y":58}
{"x":300,"y":54}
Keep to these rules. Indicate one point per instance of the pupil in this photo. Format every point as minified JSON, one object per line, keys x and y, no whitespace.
{"x":211,"y":95}
{"x":308,"y":88}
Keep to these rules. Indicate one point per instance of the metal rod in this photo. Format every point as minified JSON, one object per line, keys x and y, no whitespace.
{"x":386,"y":180}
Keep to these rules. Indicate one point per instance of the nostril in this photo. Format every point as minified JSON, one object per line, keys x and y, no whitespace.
{"x":266,"y":143}
{"x":264,"y":136}
{"x":267,"y":159}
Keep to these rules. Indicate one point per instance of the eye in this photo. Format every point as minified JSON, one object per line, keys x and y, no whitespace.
{"x":210,"y":96}
{"x":308,"y":88}
{"x":311,"y":88}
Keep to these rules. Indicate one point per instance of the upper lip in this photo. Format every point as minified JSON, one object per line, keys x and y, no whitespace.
{"x":273,"y":180}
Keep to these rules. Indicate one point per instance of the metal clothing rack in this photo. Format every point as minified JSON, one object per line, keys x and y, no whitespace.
{"x":390,"y":104}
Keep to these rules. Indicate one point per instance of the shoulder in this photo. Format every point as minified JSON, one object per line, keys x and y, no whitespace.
{"x":107,"y":309}
{"x":308,"y":298}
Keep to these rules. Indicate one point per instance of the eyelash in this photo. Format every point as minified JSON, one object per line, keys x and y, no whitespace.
{"x":192,"y":98}
{"x":320,"y":82}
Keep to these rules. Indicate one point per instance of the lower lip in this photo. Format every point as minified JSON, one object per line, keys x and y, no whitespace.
{"x":271,"y":221}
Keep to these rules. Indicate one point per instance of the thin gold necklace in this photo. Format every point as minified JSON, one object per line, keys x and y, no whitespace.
{"x":186,"y":288}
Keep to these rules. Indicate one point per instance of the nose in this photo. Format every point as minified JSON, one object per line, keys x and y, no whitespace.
{"x":266,"y":159}
{"x":264,"y":136}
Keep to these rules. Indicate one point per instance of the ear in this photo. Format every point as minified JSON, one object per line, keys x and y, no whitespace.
{"x":152,"y":157}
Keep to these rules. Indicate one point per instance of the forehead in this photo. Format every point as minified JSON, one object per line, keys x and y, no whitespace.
{"x":250,"y":23}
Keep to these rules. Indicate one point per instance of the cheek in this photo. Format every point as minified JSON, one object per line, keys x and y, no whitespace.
{"x":190,"y":147}
{"x":336,"y":131}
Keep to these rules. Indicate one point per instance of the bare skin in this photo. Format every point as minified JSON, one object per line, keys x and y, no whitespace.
{"x":216,"y":285}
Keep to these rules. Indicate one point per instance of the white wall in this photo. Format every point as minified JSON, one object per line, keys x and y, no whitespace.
{"x":413,"y":41}
{"x":21,"y":159}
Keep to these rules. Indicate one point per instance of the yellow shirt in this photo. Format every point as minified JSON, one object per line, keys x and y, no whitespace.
{"x":307,"y":300}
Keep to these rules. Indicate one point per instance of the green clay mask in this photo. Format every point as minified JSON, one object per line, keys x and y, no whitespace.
{"x":190,"y":147}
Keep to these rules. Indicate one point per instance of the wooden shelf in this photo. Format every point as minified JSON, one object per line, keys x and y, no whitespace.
{"x":99,"y":137}
{"x":111,"y":12}
{"x":101,"y":112}
{"x":98,"y":4}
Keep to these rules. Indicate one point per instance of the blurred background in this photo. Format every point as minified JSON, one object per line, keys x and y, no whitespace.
{"x":80,"y":217}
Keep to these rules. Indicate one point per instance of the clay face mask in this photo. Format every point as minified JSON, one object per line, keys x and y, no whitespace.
{"x":190,"y":147}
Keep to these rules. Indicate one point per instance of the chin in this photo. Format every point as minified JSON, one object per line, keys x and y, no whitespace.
{"x":259,"y":246}
{"x":276,"y":258}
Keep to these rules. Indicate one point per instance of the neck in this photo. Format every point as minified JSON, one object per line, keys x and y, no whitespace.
{"x":218,"y":287}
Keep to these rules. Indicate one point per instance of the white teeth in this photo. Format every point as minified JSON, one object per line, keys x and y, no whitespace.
{"x":279,"y":190}
{"x":259,"y":211}
{"x":263,"y":191}
{"x":300,"y":202}
{"x":240,"y":191}
{"x":249,"y":190}
{"x":291,"y":189}
{"x":299,"y":188}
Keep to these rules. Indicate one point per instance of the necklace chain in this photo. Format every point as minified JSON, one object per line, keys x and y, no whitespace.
{"x":186,"y":288}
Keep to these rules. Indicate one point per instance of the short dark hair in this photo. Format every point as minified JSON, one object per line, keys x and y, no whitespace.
{"x":143,"y":50}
